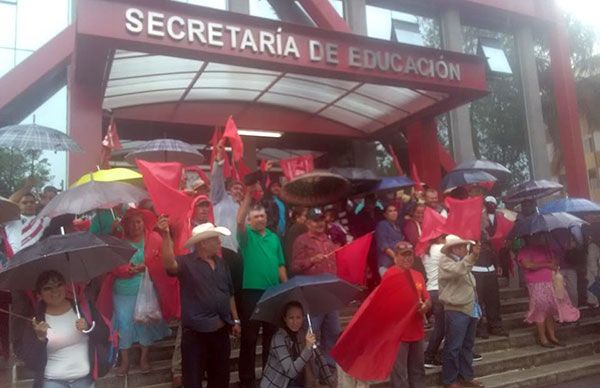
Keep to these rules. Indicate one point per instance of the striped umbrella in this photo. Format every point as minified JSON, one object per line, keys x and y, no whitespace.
{"x":167,"y":150}
{"x":531,"y":190}
{"x":493,"y":168}
{"x":33,"y":137}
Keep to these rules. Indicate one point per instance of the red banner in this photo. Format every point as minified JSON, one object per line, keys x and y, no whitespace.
{"x":464,"y":217}
{"x":297,"y":166}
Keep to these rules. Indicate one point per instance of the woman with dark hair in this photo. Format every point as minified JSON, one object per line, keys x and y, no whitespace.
{"x":120,"y":289}
{"x":58,"y":346}
{"x":292,"y":350}
{"x":387,"y":235}
{"x":548,"y":299}
{"x":294,"y":230}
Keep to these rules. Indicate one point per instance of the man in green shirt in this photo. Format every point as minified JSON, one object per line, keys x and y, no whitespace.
{"x":264,"y":267}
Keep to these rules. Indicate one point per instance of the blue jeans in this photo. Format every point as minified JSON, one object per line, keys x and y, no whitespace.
{"x":84,"y":382}
{"x":327,"y":329}
{"x":457,"y":357}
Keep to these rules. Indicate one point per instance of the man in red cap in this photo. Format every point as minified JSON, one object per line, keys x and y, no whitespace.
{"x":408,"y":370}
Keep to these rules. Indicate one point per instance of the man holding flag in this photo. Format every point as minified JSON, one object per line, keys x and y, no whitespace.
{"x":313,"y":254}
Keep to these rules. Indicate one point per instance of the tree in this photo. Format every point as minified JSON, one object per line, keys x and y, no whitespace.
{"x":16,"y":166}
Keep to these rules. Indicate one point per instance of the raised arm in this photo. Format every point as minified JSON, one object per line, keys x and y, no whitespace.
{"x":244,"y":208}
{"x":217,"y":179}
{"x":30,"y":182}
{"x":451,"y":269}
{"x":167,"y":250}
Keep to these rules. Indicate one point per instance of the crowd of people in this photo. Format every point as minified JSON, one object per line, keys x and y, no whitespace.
{"x":244,"y":240}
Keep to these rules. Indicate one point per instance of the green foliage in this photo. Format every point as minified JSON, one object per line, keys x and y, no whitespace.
{"x":16,"y":166}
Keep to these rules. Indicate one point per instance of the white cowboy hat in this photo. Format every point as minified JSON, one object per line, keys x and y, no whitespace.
{"x":453,"y":240}
{"x":205,"y":231}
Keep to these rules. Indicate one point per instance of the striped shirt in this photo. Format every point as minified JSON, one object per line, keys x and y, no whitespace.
{"x":25,"y":231}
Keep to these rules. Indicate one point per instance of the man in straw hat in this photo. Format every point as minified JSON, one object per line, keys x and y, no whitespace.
{"x":208,"y":309}
{"x":457,"y":291}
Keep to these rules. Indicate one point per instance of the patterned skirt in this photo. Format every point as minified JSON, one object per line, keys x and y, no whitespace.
{"x":543,"y":303}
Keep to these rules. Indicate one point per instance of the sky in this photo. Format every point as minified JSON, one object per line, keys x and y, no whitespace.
{"x":585,"y":10}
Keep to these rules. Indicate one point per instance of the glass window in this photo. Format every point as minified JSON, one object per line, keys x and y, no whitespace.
{"x":7,"y":60}
{"x":263,"y":9}
{"x":7,"y":25}
{"x":496,"y":58}
{"x":339,"y":6}
{"x":40,"y":21}
{"x":218,"y":4}
{"x":405,"y":29}
{"x":383,"y":23}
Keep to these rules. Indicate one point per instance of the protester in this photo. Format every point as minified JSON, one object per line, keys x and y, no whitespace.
{"x":408,"y":368}
{"x":593,"y":262}
{"x":570,"y":257}
{"x":365,"y":221}
{"x":457,"y":291}
{"x":275,"y":190}
{"x":226,"y":203}
{"x":48,"y":194}
{"x":264,"y":267}
{"x":58,"y":346}
{"x":124,"y":284}
{"x":548,"y":300}
{"x":387,"y":235}
{"x":313,"y":254}
{"x":486,"y":273}
{"x":432,"y":201}
{"x":292,"y":350}
{"x":411,"y":229}
{"x":432,"y":265}
{"x":28,"y":229}
{"x":297,"y":228}
{"x":337,"y":232}
{"x":208,"y":309}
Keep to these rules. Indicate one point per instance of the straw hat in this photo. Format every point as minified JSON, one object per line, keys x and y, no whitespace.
{"x":453,"y":240}
{"x":205,"y":231}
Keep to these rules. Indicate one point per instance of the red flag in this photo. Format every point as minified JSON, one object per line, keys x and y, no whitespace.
{"x":351,"y":259}
{"x":242,"y":170}
{"x":162,"y":181}
{"x":214,"y":140}
{"x":431,"y":227}
{"x":415,"y":177}
{"x":464,"y":217}
{"x":369,"y":346}
{"x":235,"y":141}
{"x":297,"y":166}
{"x":503,"y":228}
{"x":111,"y":140}
{"x":263,"y":168}
{"x":395,"y":160}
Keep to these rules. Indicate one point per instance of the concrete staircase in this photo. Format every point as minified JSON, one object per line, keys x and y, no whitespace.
{"x":515,"y":361}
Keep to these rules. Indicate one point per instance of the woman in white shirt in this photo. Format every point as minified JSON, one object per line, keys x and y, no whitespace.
{"x":58,"y":346}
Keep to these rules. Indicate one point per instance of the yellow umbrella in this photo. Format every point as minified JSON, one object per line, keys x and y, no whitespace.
{"x":117,"y":174}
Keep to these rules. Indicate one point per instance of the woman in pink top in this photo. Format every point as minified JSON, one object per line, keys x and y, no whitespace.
{"x":545,"y":305}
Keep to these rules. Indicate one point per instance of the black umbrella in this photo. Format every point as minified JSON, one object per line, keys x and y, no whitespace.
{"x":536,"y":223}
{"x":167,"y":150}
{"x":316,"y":188}
{"x":79,"y":257}
{"x":317,"y":293}
{"x":458,"y":178}
{"x":362,"y":180}
{"x":493,"y":168}
{"x":532,"y":190}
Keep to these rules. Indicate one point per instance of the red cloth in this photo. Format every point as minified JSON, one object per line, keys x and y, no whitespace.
{"x":412,"y":231}
{"x":431,"y":228}
{"x":297,"y":166}
{"x":464,"y":217}
{"x":235,"y":141}
{"x":241,"y":170}
{"x":351,"y":259}
{"x":368,"y":347}
{"x":214,"y":140}
{"x":167,"y":287}
{"x":503,"y":228}
{"x":110,"y":142}
{"x":162,"y":181}
{"x":415,"y":177}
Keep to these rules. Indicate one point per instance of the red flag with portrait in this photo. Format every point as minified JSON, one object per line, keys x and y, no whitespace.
{"x":464,"y":217}
{"x":297,"y":166}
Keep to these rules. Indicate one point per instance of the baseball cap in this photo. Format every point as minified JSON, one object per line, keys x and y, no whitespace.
{"x":403,"y":246}
{"x":490,"y":199}
{"x":315,"y":214}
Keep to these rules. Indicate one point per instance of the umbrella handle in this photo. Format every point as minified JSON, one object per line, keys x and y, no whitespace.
{"x":310,"y":329}
{"x":90,"y":329}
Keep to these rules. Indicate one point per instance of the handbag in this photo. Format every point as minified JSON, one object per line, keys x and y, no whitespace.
{"x":558,"y":282}
{"x":147,"y":307}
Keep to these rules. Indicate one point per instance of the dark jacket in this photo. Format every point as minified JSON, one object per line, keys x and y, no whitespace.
{"x":33,"y":352}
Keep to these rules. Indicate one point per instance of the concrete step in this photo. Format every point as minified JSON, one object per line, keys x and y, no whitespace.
{"x":545,"y":375}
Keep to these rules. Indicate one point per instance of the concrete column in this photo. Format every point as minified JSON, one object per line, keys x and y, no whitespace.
{"x":355,"y":12}
{"x":239,"y":6}
{"x":536,"y":129}
{"x":460,"y":118}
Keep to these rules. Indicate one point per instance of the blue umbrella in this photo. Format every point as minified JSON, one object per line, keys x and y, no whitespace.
{"x":393,"y":183}
{"x":457,"y":178}
{"x":318,"y":294}
{"x":536,"y":223}
{"x":570,"y":205}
